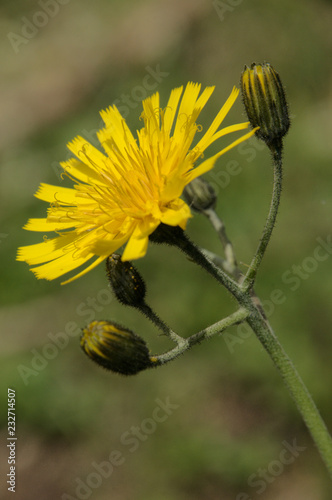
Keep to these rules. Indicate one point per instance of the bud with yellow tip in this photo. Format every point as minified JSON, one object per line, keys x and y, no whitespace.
{"x":115,"y":348}
{"x":265,"y":102}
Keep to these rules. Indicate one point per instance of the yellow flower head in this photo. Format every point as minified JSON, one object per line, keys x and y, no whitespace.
{"x":122,"y":195}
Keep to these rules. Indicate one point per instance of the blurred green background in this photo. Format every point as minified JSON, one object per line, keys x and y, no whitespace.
{"x":231,"y":414}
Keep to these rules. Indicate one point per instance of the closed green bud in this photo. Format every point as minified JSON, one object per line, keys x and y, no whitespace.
{"x":126,"y":282}
{"x":200,"y":195}
{"x":115,"y":348}
{"x":265,"y":102}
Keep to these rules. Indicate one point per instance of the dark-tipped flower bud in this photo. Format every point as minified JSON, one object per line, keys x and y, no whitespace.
{"x":265,"y":102}
{"x":200,"y":195}
{"x":115,"y":348}
{"x":126,"y":282}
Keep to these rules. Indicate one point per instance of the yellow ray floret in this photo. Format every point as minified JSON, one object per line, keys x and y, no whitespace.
{"x":122,"y":195}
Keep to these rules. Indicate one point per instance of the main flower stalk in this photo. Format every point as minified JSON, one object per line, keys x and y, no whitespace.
{"x":255,"y":317}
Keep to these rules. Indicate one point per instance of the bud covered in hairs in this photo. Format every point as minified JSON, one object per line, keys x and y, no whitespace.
{"x":265,"y":102}
{"x":116,"y":348}
{"x":126,"y":282}
{"x":200,"y":195}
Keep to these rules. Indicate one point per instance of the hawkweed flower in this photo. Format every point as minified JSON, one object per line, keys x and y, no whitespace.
{"x":122,"y":195}
{"x":265,"y":102}
{"x":115,"y":348}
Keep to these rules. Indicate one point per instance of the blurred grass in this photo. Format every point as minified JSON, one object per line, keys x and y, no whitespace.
{"x":233,"y":410}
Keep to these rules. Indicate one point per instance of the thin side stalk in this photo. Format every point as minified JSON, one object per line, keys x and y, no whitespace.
{"x":270,"y":221}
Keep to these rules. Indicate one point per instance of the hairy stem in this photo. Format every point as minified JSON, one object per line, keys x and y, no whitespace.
{"x":259,"y":324}
{"x":152,"y":316}
{"x":215,"y":329}
{"x":219,"y":227}
{"x":295,"y":385}
{"x":270,"y":221}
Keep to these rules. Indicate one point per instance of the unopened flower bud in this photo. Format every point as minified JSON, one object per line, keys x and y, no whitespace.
{"x":200,"y":195}
{"x":265,"y":102}
{"x":126,"y":282}
{"x":115,"y":348}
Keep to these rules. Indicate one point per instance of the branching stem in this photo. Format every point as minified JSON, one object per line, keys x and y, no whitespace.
{"x":251,"y":310}
{"x":217,"y":328}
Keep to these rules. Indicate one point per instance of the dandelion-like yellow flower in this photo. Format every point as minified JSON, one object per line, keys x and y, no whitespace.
{"x":123,"y":195}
